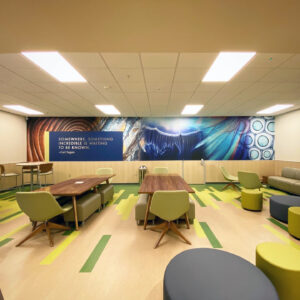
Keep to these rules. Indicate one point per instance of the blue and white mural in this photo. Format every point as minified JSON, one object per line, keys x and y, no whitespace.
{"x":210,"y":138}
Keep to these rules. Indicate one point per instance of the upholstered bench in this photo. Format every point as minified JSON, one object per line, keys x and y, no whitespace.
{"x":107,"y":192}
{"x":214,"y":274}
{"x":279,"y":206}
{"x":140,"y":209}
{"x":87,"y":204}
{"x":281,"y":263}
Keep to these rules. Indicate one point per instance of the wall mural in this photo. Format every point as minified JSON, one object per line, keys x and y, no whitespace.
{"x":210,"y":138}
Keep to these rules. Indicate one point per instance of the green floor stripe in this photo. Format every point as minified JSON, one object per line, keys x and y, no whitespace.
{"x":201,"y":203}
{"x":68,"y":232}
{"x":277,"y":223}
{"x":93,"y":258}
{"x":10,"y":216}
{"x":215,"y":197}
{"x":5,"y":241}
{"x":210,"y":235}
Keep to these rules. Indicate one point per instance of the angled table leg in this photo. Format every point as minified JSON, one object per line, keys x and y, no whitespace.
{"x":147,"y":211}
{"x":75,"y":211}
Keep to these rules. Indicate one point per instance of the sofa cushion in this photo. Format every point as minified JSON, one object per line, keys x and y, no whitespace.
{"x":285,"y":184}
{"x":291,"y":173}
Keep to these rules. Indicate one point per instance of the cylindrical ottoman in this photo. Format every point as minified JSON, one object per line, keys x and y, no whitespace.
{"x":279,"y":206}
{"x":294,"y":221}
{"x":211,"y":274}
{"x":281,"y":263}
{"x":252,"y":200}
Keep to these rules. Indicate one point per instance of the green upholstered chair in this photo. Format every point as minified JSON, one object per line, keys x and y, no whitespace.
{"x":160,"y":170}
{"x":281,"y":263}
{"x":251,"y":200}
{"x":106,"y":190}
{"x":41,"y":207}
{"x":294,"y":221}
{"x":249,"y":180}
{"x":229,"y":178}
{"x":169,"y":206}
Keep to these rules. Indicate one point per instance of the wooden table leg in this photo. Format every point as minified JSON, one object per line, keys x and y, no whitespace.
{"x":147,"y":211}
{"x":107,"y":181}
{"x":75,"y":211}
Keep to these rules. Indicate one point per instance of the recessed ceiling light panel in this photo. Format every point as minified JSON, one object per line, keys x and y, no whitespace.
{"x":226,"y":65}
{"x":54,"y":64}
{"x":108,"y":109}
{"x":274,"y":109}
{"x":23,"y":109}
{"x":191,"y":109}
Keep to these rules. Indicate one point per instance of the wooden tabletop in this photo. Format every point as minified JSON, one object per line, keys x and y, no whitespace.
{"x":71,"y":188}
{"x":163,"y":182}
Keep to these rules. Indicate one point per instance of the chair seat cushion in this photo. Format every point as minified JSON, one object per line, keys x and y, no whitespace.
{"x":107,"y":192}
{"x":279,"y":206}
{"x":10,"y":174}
{"x":86,"y":206}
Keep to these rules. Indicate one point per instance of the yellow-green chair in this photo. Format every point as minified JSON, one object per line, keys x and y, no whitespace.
{"x":41,"y":207}
{"x":169,"y":206}
{"x":160,"y":170}
{"x":105,"y":171}
{"x":251,"y":200}
{"x":229,"y":178}
{"x":281,"y":263}
{"x":249,"y":180}
{"x":294,"y":221}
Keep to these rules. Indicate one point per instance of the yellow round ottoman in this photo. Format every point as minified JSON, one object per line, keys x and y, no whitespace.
{"x":294,"y":221}
{"x":252,"y":199}
{"x":281,"y":263}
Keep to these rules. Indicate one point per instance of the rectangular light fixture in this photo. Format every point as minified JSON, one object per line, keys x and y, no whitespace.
{"x":191,"y":109}
{"x":226,"y":65}
{"x":23,"y":109}
{"x":54,"y":64}
{"x":274,"y":109}
{"x":108,"y":109}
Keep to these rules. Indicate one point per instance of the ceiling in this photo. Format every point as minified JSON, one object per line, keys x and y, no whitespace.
{"x":151,"y":84}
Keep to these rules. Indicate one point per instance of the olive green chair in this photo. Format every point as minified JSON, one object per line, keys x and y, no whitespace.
{"x":41,"y":207}
{"x":106,"y":190}
{"x":249,"y":180}
{"x":229,"y":178}
{"x":281,"y":263}
{"x":160,"y":170}
{"x":294,"y":221}
{"x":169,"y":206}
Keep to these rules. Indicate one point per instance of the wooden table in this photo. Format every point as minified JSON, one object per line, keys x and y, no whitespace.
{"x":73,"y":189}
{"x":32,"y":165}
{"x":160,"y":182}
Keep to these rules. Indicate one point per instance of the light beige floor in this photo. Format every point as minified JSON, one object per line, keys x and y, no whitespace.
{"x":129,"y":267}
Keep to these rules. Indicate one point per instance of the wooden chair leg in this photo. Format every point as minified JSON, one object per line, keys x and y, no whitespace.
{"x":187,"y":221}
{"x":34,"y":223}
{"x":161,"y":236}
{"x":159,"y":226}
{"x":175,"y":230}
{"x":49,"y":235}
{"x":37,"y":230}
{"x":58,"y":226}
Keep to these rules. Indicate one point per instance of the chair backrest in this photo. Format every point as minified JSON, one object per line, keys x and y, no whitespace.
{"x":249,"y":180}
{"x":44,"y":168}
{"x":224,"y":172}
{"x":38,"y":206}
{"x":170,"y":205}
{"x":104,"y":171}
{"x":160,"y":170}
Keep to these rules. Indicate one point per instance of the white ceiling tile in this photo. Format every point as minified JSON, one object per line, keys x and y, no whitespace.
{"x":128,"y":74}
{"x":104,"y":88}
{"x":133,"y":87}
{"x":181,"y":97}
{"x":250,"y":74}
{"x":210,"y":86}
{"x":122,"y":60}
{"x":283,"y":75}
{"x":159,"y":60}
{"x":184,"y":87}
{"x":96,"y":75}
{"x":36,"y":75}
{"x":15,"y":60}
{"x":137,"y":98}
{"x":196,"y":60}
{"x":292,"y":62}
{"x":286,"y":87}
{"x":189,"y":74}
{"x":202,"y":97}
{"x":158,"y":98}
{"x":84,"y":59}
{"x":159,"y":75}
{"x":268,"y":60}
{"x":159,"y":87}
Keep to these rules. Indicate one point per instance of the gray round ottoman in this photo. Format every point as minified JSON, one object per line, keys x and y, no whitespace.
{"x":210,"y":274}
{"x":279,"y":206}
